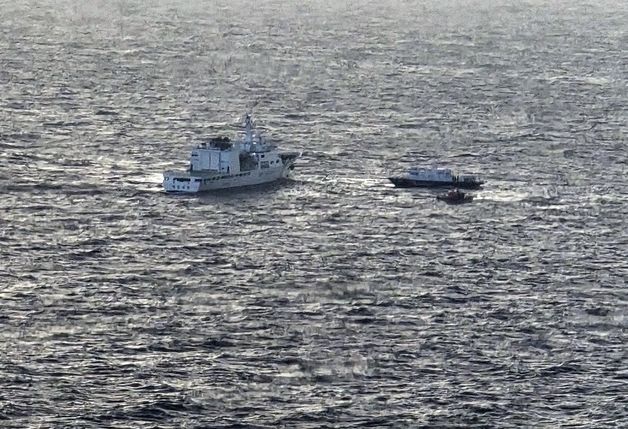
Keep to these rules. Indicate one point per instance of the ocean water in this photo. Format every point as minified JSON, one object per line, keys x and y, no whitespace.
{"x":331,"y":299}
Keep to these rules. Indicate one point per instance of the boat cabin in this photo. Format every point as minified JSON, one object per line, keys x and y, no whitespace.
{"x":431,"y":174}
{"x":470,"y":179}
{"x":216,"y":155}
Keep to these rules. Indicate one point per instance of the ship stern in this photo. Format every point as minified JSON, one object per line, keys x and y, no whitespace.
{"x":180,"y":182}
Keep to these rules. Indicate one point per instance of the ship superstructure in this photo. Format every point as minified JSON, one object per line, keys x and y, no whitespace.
{"x":220,"y":163}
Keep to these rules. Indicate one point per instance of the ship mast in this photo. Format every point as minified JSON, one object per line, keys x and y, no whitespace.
{"x":248,"y":128}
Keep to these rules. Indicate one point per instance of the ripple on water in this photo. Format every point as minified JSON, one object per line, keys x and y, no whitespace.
{"x":330,"y":299}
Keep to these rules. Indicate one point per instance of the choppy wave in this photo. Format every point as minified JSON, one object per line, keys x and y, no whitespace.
{"x":331,"y":299}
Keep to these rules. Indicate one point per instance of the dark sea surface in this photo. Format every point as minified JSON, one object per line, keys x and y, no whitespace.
{"x":331,"y":299}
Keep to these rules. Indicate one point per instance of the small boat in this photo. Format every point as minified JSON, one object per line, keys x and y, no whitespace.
{"x":455,"y":196}
{"x":418,"y":177}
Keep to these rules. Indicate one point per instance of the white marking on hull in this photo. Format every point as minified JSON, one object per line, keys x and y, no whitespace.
{"x":194,"y":183}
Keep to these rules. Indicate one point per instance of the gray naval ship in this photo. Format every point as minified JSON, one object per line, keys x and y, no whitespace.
{"x":220,"y":163}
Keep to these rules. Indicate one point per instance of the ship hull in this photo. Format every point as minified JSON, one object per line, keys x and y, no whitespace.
{"x":448,"y":200}
{"x":404,"y":182}
{"x":183,"y":182}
